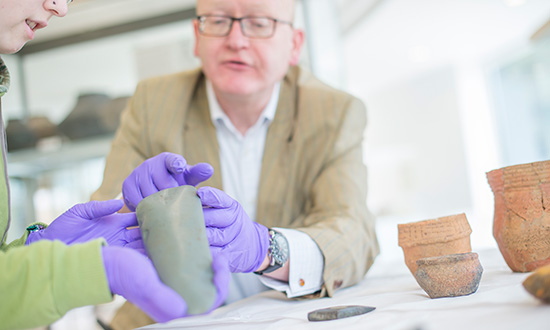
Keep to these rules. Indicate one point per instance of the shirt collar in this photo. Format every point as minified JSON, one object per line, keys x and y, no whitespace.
{"x":217,"y":114}
{"x":4,"y":78}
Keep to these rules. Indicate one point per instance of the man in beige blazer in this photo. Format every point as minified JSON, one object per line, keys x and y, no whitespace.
{"x":283,"y":144}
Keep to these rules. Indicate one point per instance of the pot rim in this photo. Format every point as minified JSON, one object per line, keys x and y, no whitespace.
{"x":443,"y":229}
{"x":449,"y":258}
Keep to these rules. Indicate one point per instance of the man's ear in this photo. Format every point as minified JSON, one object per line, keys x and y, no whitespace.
{"x":196,"y":30}
{"x":297,"y":43}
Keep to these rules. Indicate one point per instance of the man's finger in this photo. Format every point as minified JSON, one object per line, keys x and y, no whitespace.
{"x":193,"y":175}
{"x":212,"y":197}
{"x":175,"y":163}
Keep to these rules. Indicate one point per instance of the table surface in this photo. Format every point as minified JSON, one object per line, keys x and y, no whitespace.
{"x":500,"y":302}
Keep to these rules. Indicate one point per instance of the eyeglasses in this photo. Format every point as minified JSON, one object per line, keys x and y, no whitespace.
{"x":252,"y":27}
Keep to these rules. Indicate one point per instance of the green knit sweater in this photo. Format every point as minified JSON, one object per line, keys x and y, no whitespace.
{"x":39,"y":283}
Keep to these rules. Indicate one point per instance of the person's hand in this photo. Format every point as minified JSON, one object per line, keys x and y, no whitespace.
{"x":95,"y":219}
{"x":163,"y":171}
{"x":222,"y":276}
{"x":228,"y":227}
{"x":133,"y":276}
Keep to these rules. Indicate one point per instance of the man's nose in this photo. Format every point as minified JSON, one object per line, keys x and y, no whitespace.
{"x":57,"y":7}
{"x":236,"y":36}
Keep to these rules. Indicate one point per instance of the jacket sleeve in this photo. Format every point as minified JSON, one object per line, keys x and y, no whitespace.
{"x":42,"y":281}
{"x":336,"y":215}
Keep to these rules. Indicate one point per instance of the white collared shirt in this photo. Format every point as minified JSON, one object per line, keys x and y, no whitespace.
{"x":241,"y":164}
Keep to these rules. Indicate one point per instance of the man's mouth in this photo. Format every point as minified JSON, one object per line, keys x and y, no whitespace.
{"x":237,"y":63}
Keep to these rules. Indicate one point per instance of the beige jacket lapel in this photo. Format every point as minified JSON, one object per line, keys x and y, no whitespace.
{"x":201,"y":144}
{"x":277,"y":153}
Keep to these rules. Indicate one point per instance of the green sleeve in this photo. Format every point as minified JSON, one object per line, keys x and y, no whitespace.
{"x":20,"y":241}
{"x":42,"y":281}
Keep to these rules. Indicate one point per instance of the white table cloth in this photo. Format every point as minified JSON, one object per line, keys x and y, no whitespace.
{"x":500,"y":302}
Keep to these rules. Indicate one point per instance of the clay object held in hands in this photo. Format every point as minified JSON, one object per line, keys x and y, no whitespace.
{"x":172,"y":226}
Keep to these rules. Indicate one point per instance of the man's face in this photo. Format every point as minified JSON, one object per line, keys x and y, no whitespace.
{"x":241,"y":66}
{"x":19,"y":19}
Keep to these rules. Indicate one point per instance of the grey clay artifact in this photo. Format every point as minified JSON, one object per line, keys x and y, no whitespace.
{"x":172,"y":226}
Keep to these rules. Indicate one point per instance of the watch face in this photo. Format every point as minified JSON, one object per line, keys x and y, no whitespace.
{"x":279,"y":249}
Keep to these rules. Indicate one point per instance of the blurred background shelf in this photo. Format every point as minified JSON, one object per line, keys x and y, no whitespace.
{"x":30,"y":163}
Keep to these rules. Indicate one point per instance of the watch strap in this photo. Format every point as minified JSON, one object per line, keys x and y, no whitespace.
{"x":269,"y":269}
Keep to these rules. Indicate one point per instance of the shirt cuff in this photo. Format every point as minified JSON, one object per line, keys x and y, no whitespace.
{"x":305,"y":268}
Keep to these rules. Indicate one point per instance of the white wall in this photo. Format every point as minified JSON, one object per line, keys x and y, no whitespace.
{"x":422,"y":67}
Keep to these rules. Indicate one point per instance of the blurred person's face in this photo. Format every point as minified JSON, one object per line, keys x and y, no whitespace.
{"x":19,"y":20}
{"x":241,"y":66}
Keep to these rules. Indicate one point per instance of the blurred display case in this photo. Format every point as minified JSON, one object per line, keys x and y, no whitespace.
{"x":521,"y":89}
{"x":46,"y":181}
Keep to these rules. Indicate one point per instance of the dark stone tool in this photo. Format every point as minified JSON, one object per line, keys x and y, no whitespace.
{"x":338,"y":312}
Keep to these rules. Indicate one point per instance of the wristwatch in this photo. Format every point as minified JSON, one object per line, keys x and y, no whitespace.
{"x":278,"y":252}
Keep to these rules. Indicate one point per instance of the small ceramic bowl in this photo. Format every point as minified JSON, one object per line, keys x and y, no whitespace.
{"x":436,"y":237}
{"x":450,"y":275}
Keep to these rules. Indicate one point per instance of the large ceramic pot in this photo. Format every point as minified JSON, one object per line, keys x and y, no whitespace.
{"x":521,"y":223}
{"x":432,"y":238}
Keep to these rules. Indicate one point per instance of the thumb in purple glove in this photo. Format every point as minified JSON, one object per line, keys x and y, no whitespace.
{"x":163,"y":171}
{"x":222,"y":276}
{"x":228,"y":227}
{"x":133,"y":276}
{"x":95,"y":219}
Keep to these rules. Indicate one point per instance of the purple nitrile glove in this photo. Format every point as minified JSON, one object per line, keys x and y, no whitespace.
{"x":222,"y":276}
{"x":134,"y":277}
{"x":229,"y":228}
{"x":163,"y":171}
{"x":95,"y":219}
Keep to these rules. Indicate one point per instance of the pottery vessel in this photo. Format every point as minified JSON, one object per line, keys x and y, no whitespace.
{"x":521,"y":224}
{"x":437,"y":237}
{"x":449,"y":275}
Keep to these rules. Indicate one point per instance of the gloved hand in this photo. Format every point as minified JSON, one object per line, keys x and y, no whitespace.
{"x":134,"y":277}
{"x":165,"y":170}
{"x":222,"y":276}
{"x":228,"y":227}
{"x":95,"y":219}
